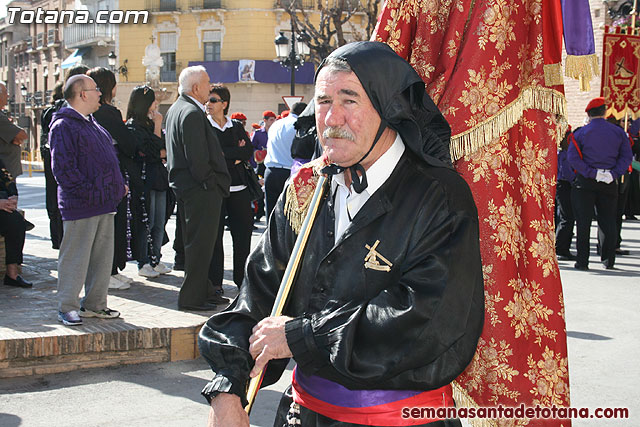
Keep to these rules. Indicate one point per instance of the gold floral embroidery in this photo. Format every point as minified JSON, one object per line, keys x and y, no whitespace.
{"x":535,"y":11}
{"x":530,"y":64}
{"x":561,"y":301}
{"x":543,"y":247}
{"x":420,"y":50}
{"x":506,"y":223}
{"x":484,"y":95}
{"x":532,"y":163}
{"x":490,"y":366}
{"x":549,"y":377}
{"x":490,"y":299}
{"x":498,"y":26}
{"x":527,"y":311}
{"x":495,"y":158}
{"x":453,"y":46}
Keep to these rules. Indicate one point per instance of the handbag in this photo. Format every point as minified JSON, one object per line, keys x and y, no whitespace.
{"x":251,"y":181}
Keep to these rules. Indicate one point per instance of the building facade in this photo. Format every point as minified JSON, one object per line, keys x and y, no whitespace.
{"x":233,"y":39}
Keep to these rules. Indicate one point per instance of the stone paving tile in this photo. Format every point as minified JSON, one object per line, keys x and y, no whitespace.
{"x":149,"y":303}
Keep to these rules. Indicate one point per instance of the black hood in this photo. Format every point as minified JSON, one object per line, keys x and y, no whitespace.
{"x":398,"y":94}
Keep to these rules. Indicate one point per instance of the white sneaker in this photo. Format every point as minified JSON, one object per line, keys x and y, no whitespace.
{"x":122,"y":278}
{"x":147,"y":271}
{"x":162,"y":268}
{"x":114,"y":283}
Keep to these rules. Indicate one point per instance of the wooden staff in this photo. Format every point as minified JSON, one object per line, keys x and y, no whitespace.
{"x":289,"y":276}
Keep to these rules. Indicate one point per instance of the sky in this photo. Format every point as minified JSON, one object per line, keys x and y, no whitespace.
{"x":3,"y":7}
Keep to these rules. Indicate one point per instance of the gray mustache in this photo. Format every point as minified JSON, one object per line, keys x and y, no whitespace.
{"x":335,"y":132}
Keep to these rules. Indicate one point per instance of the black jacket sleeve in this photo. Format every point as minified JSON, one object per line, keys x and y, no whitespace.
{"x":110,"y":118}
{"x":232,"y":151}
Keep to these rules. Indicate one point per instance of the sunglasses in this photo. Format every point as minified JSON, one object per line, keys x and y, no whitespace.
{"x":215,"y":100}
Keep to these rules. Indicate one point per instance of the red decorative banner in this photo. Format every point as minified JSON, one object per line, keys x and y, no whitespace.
{"x":620,"y":71}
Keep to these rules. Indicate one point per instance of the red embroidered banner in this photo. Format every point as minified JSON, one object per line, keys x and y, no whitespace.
{"x":620,"y":71}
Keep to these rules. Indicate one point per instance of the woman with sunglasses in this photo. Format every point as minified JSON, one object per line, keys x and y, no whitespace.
{"x":237,"y":149}
{"x":145,"y":122}
{"x":110,"y":118}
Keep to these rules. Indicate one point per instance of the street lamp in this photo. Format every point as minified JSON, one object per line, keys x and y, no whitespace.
{"x":23,"y":91}
{"x":286,"y":52}
{"x":111,"y":60}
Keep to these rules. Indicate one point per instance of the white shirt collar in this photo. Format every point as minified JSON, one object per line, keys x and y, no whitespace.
{"x":347,"y":202}
{"x":228,"y":123}
{"x":85,"y":117}
{"x":380,"y":170}
{"x":198,"y":103}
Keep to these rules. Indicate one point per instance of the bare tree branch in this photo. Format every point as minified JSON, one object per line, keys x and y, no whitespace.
{"x":336,"y":18}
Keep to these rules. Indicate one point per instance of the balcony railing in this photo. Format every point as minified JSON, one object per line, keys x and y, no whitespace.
{"x":77,"y":35}
{"x":52,"y":37}
{"x":38,"y":99}
{"x":305,"y":4}
{"x":161,"y":5}
{"x":40,"y":41}
{"x":207,"y":4}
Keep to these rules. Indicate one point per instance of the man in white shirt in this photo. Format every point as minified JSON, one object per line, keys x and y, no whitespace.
{"x":278,"y":161}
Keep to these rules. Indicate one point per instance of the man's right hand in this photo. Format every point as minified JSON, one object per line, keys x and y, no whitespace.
{"x":227,"y":411}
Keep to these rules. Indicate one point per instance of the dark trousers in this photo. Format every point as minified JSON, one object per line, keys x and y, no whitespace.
{"x":120,"y":238}
{"x":51,"y":200}
{"x":12,"y":227}
{"x":566,"y":220}
{"x":178,"y":243}
{"x":238,"y":208}
{"x":585,"y":194}
{"x":201,"y":210}
{"x":274,"y":180}
{"x":624,"y":187}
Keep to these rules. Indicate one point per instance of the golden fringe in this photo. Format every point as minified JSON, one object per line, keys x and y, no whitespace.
{"x":463,"y":400}
{"x":294,"y":212}
{"x":553,"y":74}
{"x":582,"y":68}
{"x":535,"y":97}
{"x":619,"y":115}
{"x":563,"y":126}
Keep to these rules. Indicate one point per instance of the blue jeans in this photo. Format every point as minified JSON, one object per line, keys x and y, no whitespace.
{"x":157,"y":212}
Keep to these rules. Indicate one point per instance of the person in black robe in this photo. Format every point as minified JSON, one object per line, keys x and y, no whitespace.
{"x":388,"y":301}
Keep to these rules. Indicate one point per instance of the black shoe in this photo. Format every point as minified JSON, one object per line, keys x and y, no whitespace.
{"x":566,"y":256}
{"x":204,"y":307}
{"x":18,"y":282}
{"x":608,"y":266}
{"x":631,"y":218}
{"x":218,"y":299}
{"x":28,"y":225}
{"x":581,"y":267}
{"x":622,"y":252}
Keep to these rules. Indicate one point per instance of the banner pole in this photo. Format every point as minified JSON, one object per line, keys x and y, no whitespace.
{"x":633,"y":17}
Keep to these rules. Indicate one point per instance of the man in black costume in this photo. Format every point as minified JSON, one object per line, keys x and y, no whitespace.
{"x":388,"y":302}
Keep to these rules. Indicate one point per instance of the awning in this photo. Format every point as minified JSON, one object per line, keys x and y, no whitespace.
{"x":75,"y":57}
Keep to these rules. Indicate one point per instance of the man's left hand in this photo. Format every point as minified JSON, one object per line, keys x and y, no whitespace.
{"x":267,"y":342}
{"x":20,"y":137}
